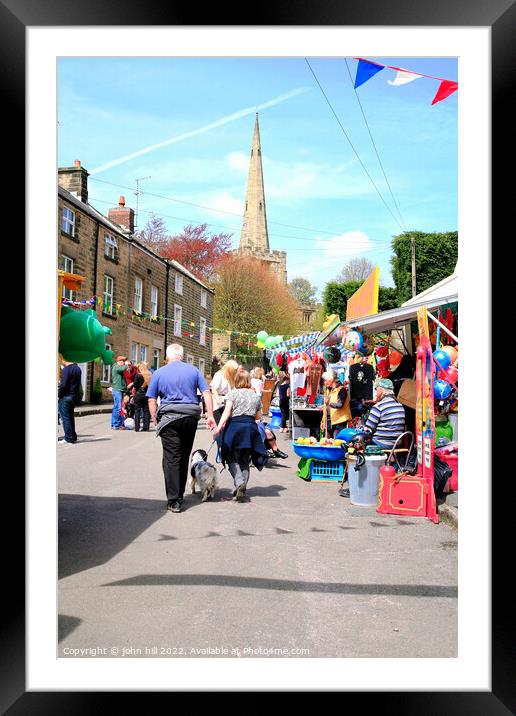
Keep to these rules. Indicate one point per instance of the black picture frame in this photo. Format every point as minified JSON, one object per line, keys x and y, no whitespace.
{"x":15,"y":17}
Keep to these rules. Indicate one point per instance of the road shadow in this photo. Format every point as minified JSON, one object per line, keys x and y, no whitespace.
{"x":91,"y":530}
{"x":287,"y":585}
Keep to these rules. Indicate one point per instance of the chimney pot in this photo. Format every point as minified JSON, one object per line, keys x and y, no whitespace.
{"x":121,"y":201}
{"x":77,"y":163}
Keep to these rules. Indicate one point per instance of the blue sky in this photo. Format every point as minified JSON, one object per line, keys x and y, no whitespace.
{"x":112,"y":108}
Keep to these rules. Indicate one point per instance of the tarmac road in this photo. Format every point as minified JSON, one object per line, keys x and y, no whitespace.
{"x":295,"y":571}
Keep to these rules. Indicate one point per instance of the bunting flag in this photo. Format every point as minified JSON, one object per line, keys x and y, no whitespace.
{"x":367,"y":69}
{"x":403,"y":77}
{"x":446,"y":88}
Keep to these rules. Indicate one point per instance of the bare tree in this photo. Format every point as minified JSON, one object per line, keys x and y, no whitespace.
{"x":355,"y":270}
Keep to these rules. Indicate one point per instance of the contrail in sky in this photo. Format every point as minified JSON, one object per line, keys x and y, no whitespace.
{"x":202,"y":130}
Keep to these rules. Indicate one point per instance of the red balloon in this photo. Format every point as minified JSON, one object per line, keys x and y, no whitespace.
{"x":395,"y":358}
{"x":451,"y":375}
{"x":382,"y":351}
{"x":382,"y":367}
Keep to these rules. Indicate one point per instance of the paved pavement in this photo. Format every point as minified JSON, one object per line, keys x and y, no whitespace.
{"x":295,"y":571}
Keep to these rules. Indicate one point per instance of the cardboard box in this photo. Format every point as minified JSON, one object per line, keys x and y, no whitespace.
{"x":407,"y":393}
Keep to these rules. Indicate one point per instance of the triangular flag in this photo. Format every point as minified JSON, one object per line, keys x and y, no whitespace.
{"x":402,"y":77}
{"x":365,"y":71}
{"x":446,"y":88}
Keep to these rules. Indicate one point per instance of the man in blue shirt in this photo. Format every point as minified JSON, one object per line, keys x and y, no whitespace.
{"x":68,"y":398}
{"x":176,"y":385}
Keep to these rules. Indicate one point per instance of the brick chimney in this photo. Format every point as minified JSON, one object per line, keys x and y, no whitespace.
{"x":122,"y":216}
{"x":75,"y":180}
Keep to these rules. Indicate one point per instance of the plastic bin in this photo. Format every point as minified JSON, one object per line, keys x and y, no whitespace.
{"x":364,"y":482}
{"x":321,"y":471}
{"x":453,"y":461}
{"x":276,"y":417}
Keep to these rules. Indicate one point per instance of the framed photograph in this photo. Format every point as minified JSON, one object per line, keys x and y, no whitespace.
{"x":41,"y":44}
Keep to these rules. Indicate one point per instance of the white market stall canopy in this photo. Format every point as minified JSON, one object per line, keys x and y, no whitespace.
{"x":443,"y":293}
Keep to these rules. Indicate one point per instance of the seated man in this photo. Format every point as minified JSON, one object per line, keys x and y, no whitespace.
{"x":269,"y":440}
{"x":386,"y":420}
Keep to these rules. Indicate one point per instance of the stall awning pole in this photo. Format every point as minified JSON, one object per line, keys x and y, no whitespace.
{"x":434,"y":319}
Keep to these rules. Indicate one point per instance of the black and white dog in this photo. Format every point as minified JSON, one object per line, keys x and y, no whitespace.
{"x":203,"y":474}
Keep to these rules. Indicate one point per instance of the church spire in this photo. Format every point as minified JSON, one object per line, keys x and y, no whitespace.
{"x":254,"y":234}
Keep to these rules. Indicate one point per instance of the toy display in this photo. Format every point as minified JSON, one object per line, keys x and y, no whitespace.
{"x":82,"y":338}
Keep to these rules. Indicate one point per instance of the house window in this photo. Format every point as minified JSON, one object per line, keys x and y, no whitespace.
{"x":178,"y":316}
{"x":138,"y":290}
{"x":179,"y":283}
{"x":202,"y":331}
{"x":109,"y":291}
{"x":154,"y":302}
{"x":106,"y":369}
{"x":189,"y":359}
{"x":204,"y":298}
{"x":143,"y":354}
{"x":67,"y":265}
{"x":155,"y":359}
{"x":68,"y":221}
{"x":134,"y":352}
{"x":202,"y":365}
{"x":110,"y":247}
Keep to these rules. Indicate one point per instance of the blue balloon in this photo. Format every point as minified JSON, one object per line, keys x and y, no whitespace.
{"x":442,"y":389}
{"x":443,"y":358}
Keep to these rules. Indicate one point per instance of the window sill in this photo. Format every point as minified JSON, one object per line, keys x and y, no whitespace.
{"x":109,"y":315}
{"x":111,"y":259}
{"x":70,"y":236}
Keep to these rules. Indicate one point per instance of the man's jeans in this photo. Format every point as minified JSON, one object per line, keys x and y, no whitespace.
{"x":116,"y":418}
{"x":66,"y":407}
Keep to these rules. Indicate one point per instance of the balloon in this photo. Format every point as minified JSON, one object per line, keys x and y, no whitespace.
{"x":270,"y":341}
{"x":129,"y":423}
{"x":382,"y":351}
{"x":260,"y":344}
{"x":279,"y":339}
{"x":367,"y":346}
{"x":82,"y":338}
{"x":443,"y":359}
{"x":452,"y":352}
{"x":450,"y":375}
{"x":262,"y":336}
{"x":382,"y":368}
{"x":441,"y":389}
{"x":353,"y":341}
{"x":332,"y":355}
{"x":395,"y":358}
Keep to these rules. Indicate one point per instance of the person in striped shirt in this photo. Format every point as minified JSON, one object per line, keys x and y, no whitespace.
{"x":386,"y":420}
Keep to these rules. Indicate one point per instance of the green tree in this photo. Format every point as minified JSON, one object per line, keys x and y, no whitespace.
{"x":337,"y":295}
{"x":436,"y":257}
{"x":303,"y":291}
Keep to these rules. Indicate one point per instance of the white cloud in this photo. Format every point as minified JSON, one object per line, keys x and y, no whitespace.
{"x":238,"y":161}
{"x":224,"y":201}
{"x":304,"y":181}
{"x":349,"y":244}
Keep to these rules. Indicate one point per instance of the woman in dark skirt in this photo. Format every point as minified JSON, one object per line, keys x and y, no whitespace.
{"x":237,"y":434}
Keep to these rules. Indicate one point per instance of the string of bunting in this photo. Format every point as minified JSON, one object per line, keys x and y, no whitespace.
{"x":367,"y":69}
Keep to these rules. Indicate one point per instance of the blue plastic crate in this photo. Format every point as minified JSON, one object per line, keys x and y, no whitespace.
{"x":324,"y":471}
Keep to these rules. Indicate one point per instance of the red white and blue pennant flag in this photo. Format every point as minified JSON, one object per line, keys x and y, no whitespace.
{"x":367,"y":69}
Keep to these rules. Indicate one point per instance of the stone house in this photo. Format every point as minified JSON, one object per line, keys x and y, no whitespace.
{"x":147,"y":301}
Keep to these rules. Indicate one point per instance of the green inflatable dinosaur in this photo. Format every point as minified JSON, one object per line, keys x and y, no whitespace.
{"x":82,"y":338}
